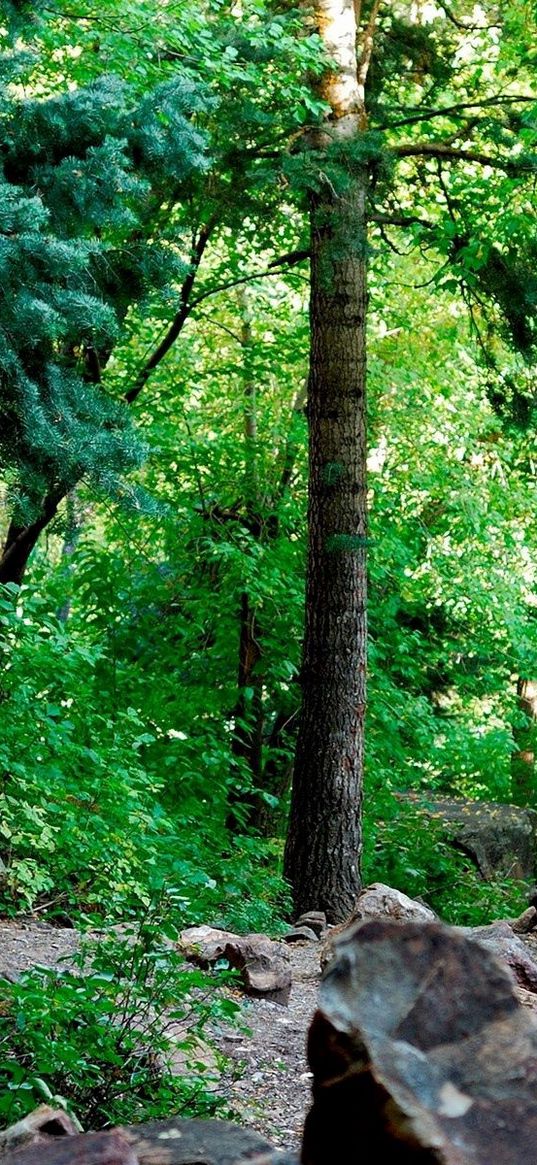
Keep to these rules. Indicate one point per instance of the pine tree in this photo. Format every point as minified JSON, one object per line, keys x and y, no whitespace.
{"x":83,"y":177}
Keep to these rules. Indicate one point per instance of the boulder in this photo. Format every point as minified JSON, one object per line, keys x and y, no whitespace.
{"x":501,"y":840}
{"x":501,"y":941}
{"x":420,"y":1053}
{"x":378,"y":901}
{"x":173,"y":1142}
{"x":264,"y":965}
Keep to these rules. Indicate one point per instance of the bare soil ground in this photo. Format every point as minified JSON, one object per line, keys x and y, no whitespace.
{"x":267,"y":1086}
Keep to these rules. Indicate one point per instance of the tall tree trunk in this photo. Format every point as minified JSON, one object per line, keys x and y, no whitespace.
{"x":523,"y":787}
{"x":322,"y":856}
{"x":247,"y":743}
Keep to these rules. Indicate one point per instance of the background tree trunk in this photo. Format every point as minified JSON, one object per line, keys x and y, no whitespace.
{"x":523,"y":758}
{"x":20,"y":540}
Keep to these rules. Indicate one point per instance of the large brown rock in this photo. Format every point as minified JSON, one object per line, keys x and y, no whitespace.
{"x":501,"y":840}
{"x":173,"y":1142}
{"x":107,"y":1148}
{"x":377,"y":901}
{"x":420,"y":1053}
{"x":264,"y":965}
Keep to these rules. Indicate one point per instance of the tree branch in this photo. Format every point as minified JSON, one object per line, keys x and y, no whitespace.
{"x":428,"y":114}
{"x":400,"y":220}
{"x":388,"y":220}
{"x":291,"y":258}
{"x":368,"y":43}
{"x":272,"y":269}
{"x":180,"y":318}
{"x":460,"y":23}
{"x":454,"y":154}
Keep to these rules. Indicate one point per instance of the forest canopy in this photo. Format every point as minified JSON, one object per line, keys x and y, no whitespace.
{"x":191,"y":200}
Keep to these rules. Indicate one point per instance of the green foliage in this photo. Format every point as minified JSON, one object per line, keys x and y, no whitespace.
{"x":101,"y":808}
{"x":115,"y":1035}
{"x":134,"y":138}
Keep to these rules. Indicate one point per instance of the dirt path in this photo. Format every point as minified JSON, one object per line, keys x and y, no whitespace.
{"x":267,"y":1085}
{"x":273,"y":1092}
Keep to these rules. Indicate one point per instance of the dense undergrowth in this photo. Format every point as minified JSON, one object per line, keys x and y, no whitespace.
{"x":117,"y":1033}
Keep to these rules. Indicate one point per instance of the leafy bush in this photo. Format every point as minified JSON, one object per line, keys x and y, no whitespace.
{"x":87,"y":822}
{"x":100,"y":1035}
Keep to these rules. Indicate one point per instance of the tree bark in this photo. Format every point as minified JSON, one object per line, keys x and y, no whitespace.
{"x":523,"y":759}
{"x":322,"y":856}
{"x":21,"y":540}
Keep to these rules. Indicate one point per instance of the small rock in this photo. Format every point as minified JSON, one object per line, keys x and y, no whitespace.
{"x":301,"y":934}
{"x":378,"y":901}
{"x":525,"y":922}
{"x":315,"y":919}
{"x":263,"y":964}
{"x":204,"y":944}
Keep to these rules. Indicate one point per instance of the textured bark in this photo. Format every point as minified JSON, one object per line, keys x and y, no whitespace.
{"x":20,"y":540}
{"x":322,"y":858}
{"x":523,"y":759}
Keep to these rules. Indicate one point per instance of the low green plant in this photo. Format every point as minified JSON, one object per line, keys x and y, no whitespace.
{"x":100,"y":1035}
